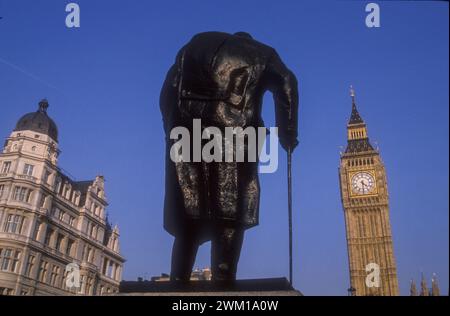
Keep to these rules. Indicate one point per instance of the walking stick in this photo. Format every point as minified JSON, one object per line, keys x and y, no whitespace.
{"x":289,"y":167}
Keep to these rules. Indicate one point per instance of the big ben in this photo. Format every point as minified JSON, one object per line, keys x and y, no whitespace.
{"x":365,"y":201}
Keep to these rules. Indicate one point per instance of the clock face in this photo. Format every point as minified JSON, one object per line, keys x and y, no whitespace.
{"x":363,"y":183}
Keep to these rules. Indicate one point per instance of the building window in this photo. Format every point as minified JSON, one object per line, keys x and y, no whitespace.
{"x":30,"y":265}
{"x":90,"y":257}
{"x":109,"y":272}
{"x":37,"y":228}
{"x":2,"y":190}
{"x":5,"y":258}
{"x":43,"y":271}
{"x":6,"y":166}
{"x":46,"y":176}
{"x":54,"y":275}
{"x":83,"y":253}
{"x":16,"y":260}
{"x":71,"y":220}
{"x":66,"y":191}
{"x":61,"y":215}
{"x":58,"y":185}
{"x":59,"y":242}
{"x":6,"y":291}
{"x":64,"y":279}
{"x":48,"y":236}
{"x":22,"y":194}
{"x":76,"y":198}
{"x":28,"y":169}
{"x":54,"y":211}
{"x":92,"y":230}
{"x":9,"y":259}
{"x":69,"y":247}
{"x":42,"y":200}
{"x":88,"y":286}
{"x":81,"y":289}
{"x":13,"y":224}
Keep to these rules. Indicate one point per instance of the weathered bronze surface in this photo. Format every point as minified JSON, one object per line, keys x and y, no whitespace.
{"x":220,"y":78}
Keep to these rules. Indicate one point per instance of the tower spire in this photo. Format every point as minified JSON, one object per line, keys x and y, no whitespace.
{"x":434,"y":286}
{"x":355,"y":118}
{"x":423,"y":287}
{"x":358,"y":140}
{"x":413,"y":288}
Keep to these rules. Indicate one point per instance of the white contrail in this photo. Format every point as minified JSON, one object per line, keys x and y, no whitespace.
{"x":29,"y":74}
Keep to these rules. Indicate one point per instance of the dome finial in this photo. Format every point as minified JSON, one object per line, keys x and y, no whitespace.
{"x":43,"y":105}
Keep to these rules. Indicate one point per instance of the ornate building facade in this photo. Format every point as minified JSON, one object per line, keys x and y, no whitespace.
{"x":365,"y":201}
{"x":49,"y":222}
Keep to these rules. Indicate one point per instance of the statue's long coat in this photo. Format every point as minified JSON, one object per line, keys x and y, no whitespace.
{"x":221,"y":79}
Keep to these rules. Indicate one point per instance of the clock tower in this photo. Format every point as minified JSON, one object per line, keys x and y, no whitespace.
{"x":365,"y":201}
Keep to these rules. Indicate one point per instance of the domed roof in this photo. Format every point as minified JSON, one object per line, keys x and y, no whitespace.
{"x":38,"y":121}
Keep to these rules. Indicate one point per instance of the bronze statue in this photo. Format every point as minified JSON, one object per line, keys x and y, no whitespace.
{"x":220,"y":78}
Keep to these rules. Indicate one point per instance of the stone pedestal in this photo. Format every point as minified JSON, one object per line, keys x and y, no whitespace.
{"x":253,"y":287}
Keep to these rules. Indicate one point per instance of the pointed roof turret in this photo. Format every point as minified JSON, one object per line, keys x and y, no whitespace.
{"x":423,"y":287}
{"x":435,"y":286}
{"x":413,"y":288}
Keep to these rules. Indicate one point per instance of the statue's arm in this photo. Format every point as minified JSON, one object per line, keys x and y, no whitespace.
{"x":284,"y":87}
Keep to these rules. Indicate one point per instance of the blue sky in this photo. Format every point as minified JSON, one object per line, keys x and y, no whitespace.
{"x":103,"y":81}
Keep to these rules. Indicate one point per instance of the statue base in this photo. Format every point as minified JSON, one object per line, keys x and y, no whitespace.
{"x":250,"y":287}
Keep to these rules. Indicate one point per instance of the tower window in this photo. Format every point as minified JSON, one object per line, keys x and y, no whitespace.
{"x":28,"y":169}
{"x":2,"y":190}
{"x":14,"y":224}
{"x":6,"y":166}
{"x":22,"y":194}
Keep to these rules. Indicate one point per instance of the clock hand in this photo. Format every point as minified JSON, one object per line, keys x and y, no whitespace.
{"x":363,"y":185}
